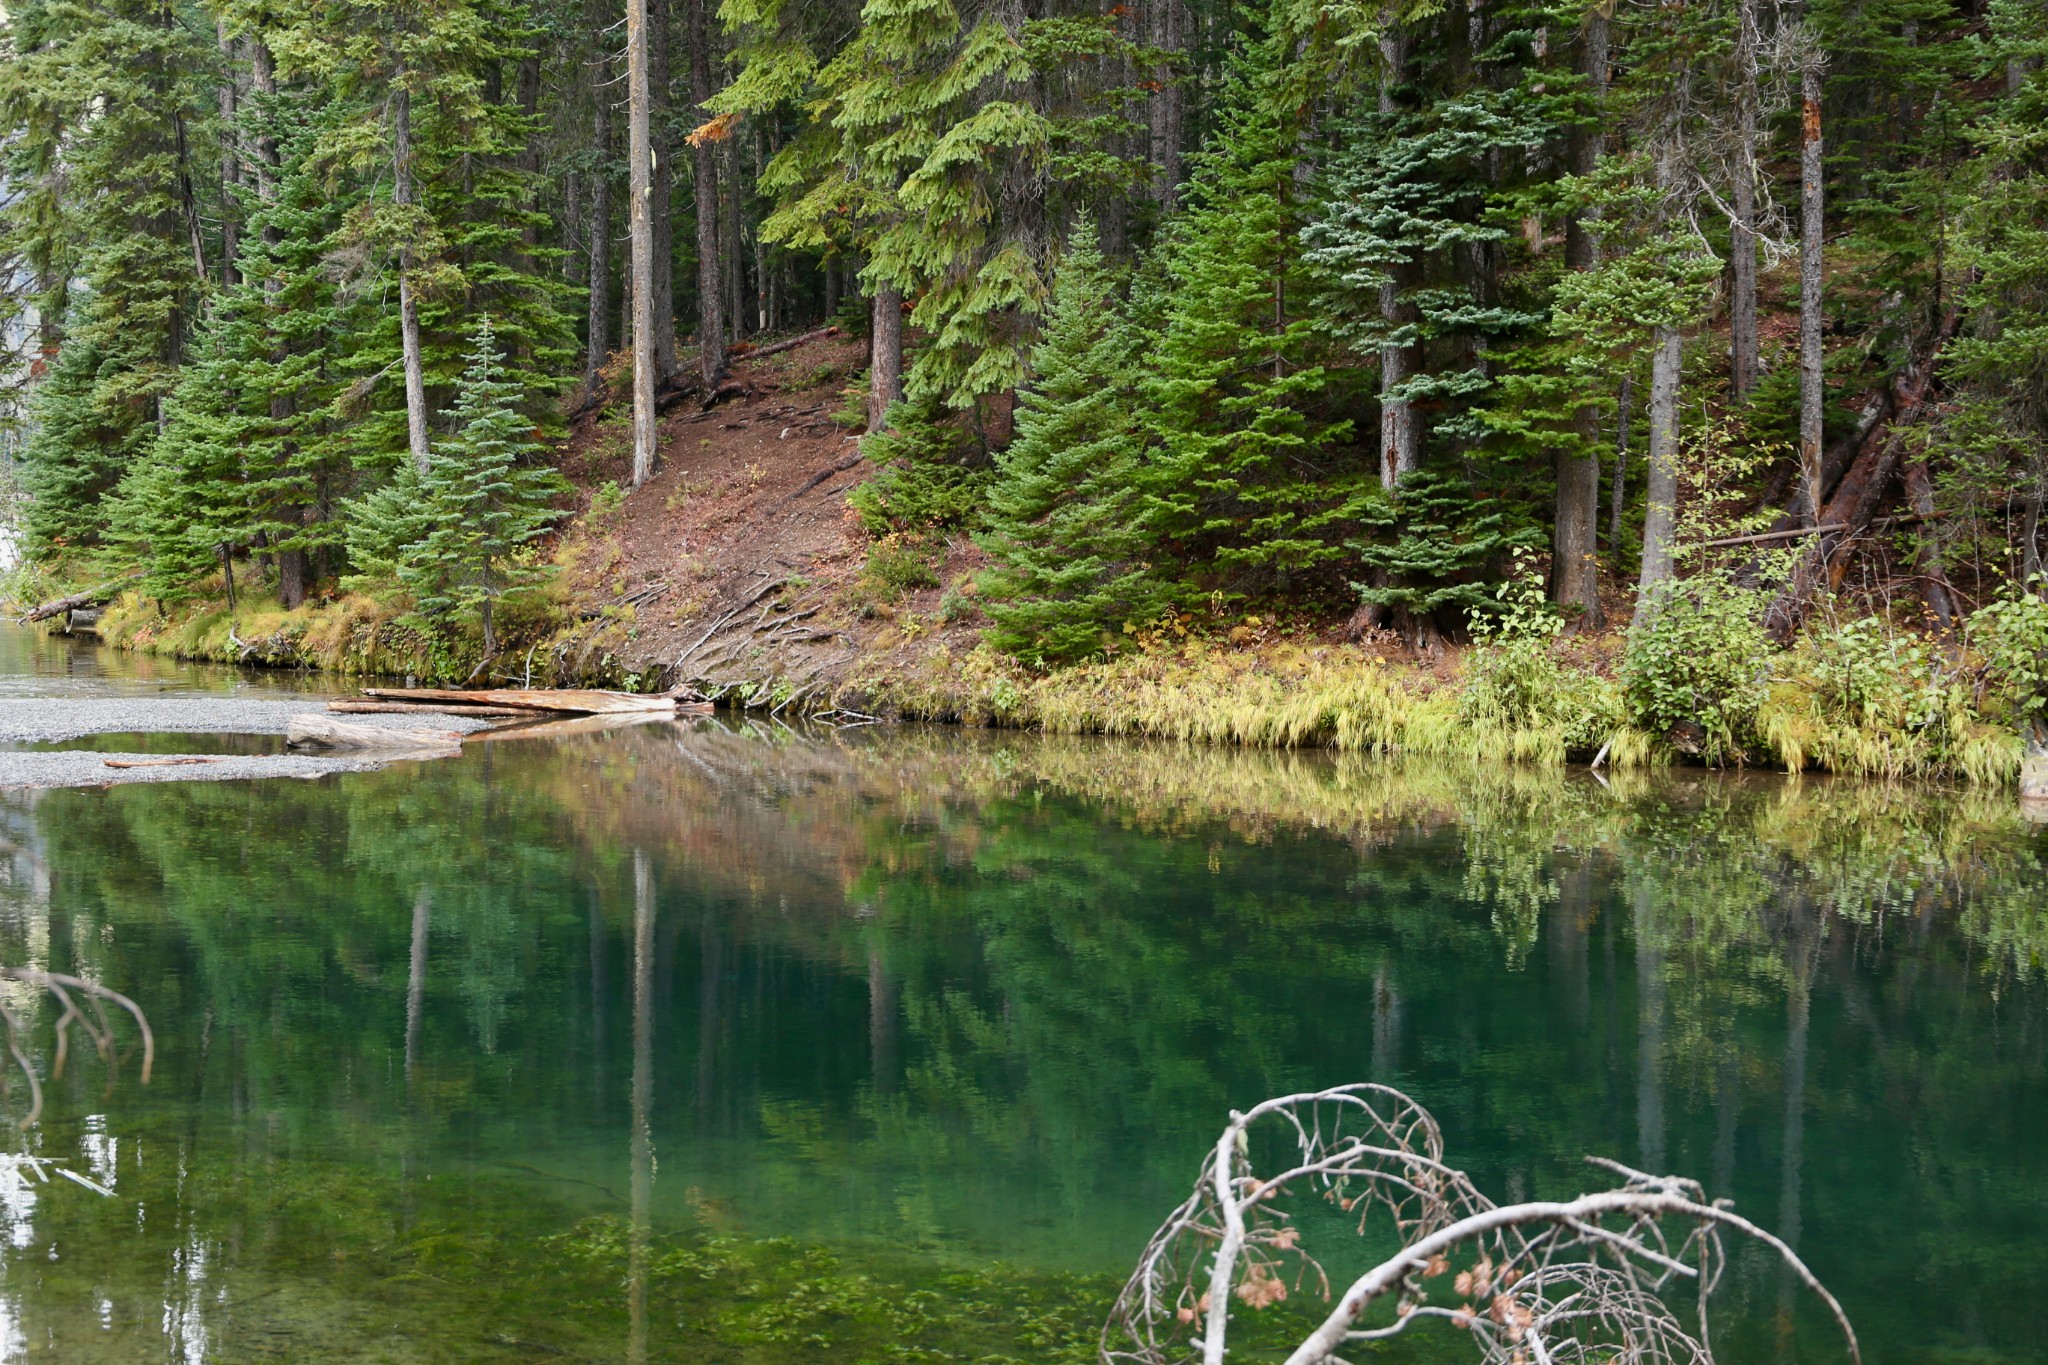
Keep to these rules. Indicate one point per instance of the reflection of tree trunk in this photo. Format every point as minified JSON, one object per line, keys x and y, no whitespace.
{"x":642,"y":1147}
{"x":881,"y":1024}
{"x":1569,"y":970}
{"x":1791,"y":1168}
{"x":1649,"y":1040}
{"x":710,"y":975}
{"x":600,"y":1002}
{"x":1727,"y":1109}
{"x":416,"y":979}
{"x":1386,"y":1026}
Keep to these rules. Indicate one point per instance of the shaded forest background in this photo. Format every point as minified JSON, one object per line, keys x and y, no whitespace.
{"x":1360,"y":310}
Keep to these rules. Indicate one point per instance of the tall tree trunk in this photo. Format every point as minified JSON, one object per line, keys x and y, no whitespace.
{"x":661,"y":207}
{"x":710,"y":312}
{"x":1167,"y":22}
{"x":885,"y":369}
{"x":1617,"y":497}
{"x":1575,"y":548}
{"x":598,"y":277}
{"x":527,"y":96}
{"x":408,"y":303}
{"x":1400,"y":446}
{"x":732,"y":241}
{"x":640,"y":190}
{"x":1811,"y":393}
{"x":230,"y":156}
{"x":1660,"y":516}
{"x":1742,"y":339}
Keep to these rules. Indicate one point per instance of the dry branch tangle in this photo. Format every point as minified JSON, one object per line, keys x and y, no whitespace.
{"x":1568,"y":1282}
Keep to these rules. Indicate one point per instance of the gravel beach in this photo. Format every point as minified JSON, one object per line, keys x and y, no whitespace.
{"x":44,"y":720}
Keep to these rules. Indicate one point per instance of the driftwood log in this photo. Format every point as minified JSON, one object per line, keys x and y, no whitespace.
{"x":156,"y":762}
{"x":319,"y":732}
{"x":349,"y":707}
{"x":564,"y":700}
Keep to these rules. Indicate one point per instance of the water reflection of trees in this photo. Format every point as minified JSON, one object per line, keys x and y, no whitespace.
{"x":921,"y":963}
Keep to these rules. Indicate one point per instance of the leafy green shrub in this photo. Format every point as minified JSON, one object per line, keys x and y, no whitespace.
{"x":1862,"y":698}
{"x":1697,"y":667}
{"x":896,"y":565}
{"x":925,"y":472}
{"x":2011,"y":635}
{"x":1515,"y":686}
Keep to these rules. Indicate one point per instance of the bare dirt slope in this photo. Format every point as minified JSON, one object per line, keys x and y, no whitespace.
{"x":738,"y":564}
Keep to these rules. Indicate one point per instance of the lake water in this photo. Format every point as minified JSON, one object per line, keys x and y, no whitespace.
{"x":723,"y":1042}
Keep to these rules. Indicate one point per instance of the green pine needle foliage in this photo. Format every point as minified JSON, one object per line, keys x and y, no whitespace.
{"x":1071,"y":567}
{"x":461,"y":537}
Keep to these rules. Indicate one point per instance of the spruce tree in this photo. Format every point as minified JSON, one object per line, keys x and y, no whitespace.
{"x":460,"y":537}
{"x":1250,"y":483}
{"x":1063,"y":510}
{"x":247,"y":455}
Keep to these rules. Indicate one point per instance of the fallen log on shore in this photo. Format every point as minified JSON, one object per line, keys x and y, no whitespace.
{"x":156,"y":762}
{"x":91,"y":597}
{"x":318,"y":732}
{"x":565,"y":700}
{"x":349,"y":707}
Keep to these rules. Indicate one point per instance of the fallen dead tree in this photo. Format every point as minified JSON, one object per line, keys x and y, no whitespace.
{"x":402,"y":708}
{"x":1860,"y":492}
{"x":1561,"y":1282}
{"x":91,"y":597}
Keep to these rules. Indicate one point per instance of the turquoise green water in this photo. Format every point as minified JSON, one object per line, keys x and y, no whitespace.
{"x":702,"y":1042}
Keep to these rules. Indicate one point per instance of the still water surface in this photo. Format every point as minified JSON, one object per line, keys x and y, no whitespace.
{"x":722,"y":1043}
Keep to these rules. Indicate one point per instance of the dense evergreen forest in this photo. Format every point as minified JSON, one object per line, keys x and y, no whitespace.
{"x":1173,"y":305}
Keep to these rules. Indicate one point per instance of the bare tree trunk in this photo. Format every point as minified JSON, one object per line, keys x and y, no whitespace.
{"x":1811,"y":393}
{"x":408,"y":303}
{"x":599,"y":277}
{"x":1168,"y":34}
{"x":1400,"y":451}
{"x":230,"y":156}
{"x":640,"y":189}
{"x":1575,"y":548}
{"x":1934,"y":584}
{"x":1660,"y":516}
{"x":885,"y":370}
{"x":732,"y":249}
{"x":1742,"y":338}
{"x":1617,"y":497}
{"x":601,"y":252}
{"x":710,"y":313}
{"x":661,"y":211}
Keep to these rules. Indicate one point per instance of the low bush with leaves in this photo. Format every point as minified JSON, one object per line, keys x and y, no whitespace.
{"x":1697,"y":667}
{"x":1516,"y":686}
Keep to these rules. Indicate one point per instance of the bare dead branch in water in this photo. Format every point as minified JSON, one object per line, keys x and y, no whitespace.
{"x":1566,"y":1282}
{"x":92,"y":1021}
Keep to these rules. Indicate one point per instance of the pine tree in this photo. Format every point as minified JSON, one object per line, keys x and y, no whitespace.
{"x":1250,"y":483}
{"x":459,"y":538}
{"x":132,"y":80}
{"x":247,"y":455}
{"x":1062,"y":512}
